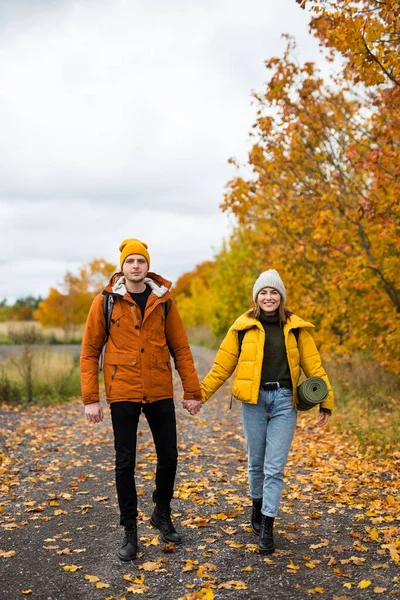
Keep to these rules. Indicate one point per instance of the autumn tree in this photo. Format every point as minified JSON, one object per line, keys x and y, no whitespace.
{"x":69,"y":307}
{"x":365,"y":32}
{"x":322,"y":203}
{"x":237,"y":265}
{"x":193,"y":295}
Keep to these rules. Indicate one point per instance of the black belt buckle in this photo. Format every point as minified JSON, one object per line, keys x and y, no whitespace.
{"x":270,"y":386}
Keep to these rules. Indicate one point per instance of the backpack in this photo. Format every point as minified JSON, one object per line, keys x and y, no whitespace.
{"x":243,"y":332}
{"x":108,"y":305}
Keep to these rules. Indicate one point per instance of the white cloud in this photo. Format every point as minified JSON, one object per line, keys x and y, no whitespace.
{"x":61,"y":236}
{"x":117,"y":120}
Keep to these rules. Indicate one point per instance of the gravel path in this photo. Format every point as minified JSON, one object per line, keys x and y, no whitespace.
{"x":337,"y":533}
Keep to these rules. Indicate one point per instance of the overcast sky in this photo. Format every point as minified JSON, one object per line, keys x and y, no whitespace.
{"x":117,"y":119}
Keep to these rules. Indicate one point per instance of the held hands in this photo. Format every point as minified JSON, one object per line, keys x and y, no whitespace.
{"x":192,"y":406}
{"x":94,"y":412}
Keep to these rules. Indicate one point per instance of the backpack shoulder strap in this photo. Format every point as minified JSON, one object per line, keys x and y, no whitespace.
{"x":166,"y":309}
{"x":108,"y":305}
{"x":166,"y":306}
{"x":241,"y":333}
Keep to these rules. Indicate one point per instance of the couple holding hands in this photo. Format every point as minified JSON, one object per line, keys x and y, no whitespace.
{"x":135,"y":327}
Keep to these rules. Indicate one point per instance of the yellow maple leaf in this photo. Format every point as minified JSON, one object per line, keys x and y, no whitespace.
{"x":233,"y":544}
{"x":379,"y":590}
{"x":154,"y":542}
{"x":4,"y":554}
{"x":233,"y":585}
{"x":316,"y":590}
{"x":190,"y":565}
{"x":91,"y":578}
{"x":150,"y":566}
{"x":26,"y":592}
{"x":358,"y":546}
{"x":138,"y":589}
{"x":100,"y":585}
{"x":292,"y":566}
{"x":321,"y":545}
{"x":373,"y":534}
{"x":205,"y":594}
{"x":364,"y":583}
{"x":71,"y":568}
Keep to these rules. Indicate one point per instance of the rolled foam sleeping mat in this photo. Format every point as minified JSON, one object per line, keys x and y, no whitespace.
{"x":311,"y":392}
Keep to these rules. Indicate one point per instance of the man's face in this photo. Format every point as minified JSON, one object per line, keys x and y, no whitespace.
{"x":135,"y":268}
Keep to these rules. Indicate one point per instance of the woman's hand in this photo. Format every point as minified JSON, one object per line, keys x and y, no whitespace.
{"x":323,"y":419}
{"x":193,"y":406}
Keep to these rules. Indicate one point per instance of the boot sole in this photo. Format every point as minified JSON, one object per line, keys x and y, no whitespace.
{"x":126,"y":559}
{"x":267,"y":552}
{"x":164,"y":539}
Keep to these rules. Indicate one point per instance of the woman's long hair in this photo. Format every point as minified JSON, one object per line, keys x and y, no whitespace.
{"x":284,"y":313}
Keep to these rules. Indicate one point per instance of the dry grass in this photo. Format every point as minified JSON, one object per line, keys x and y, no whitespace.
{"x":366,"y":403}
{"x":41,"y":375}
{"x":202,"y":336}
{"x":48,"y":365}
{"x":9,"y":328}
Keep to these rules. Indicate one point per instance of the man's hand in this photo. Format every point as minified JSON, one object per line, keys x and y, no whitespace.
{"x":323,"y":419}
{"x":94,"y":412}
{"x":193,"y":406}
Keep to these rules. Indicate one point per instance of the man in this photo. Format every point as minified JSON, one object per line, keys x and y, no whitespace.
{"x":144,"y":327}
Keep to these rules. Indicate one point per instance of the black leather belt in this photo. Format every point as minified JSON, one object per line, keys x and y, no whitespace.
{"x":270,"y":386}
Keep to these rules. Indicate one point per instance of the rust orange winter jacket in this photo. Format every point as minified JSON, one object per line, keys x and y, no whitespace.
{"x":137,"y":363}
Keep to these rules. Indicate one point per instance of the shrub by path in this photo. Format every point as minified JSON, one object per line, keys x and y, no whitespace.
{"x":337,"y":534}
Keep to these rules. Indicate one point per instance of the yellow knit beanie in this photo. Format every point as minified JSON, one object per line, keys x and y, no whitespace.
{"x":133,"y":246}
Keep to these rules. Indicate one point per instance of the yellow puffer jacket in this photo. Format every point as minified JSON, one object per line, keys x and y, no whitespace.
{"x":302,"y":355}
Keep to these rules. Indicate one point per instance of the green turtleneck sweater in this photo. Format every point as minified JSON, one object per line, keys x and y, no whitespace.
{"x":275,"y":365}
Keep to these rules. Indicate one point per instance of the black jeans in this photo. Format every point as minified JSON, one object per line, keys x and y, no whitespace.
{"x":160,"y":416}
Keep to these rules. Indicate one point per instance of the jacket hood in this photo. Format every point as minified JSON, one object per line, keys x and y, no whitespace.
{"x":246,"y":322}
{"x":157,"y":283}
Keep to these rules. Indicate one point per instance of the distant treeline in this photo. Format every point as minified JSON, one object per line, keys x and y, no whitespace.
{"x":22,"y":310}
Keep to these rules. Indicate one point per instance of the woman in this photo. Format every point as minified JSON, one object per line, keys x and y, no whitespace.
{"x":268,"y":345}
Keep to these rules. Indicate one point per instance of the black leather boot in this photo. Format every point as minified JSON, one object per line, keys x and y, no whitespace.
{"x":256,"y":516}
{"x":266,"y":544}
{"x":129,"y":544}
{"x":161,"y":518}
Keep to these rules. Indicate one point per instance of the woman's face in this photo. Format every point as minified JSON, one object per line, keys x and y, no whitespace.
{"x":269,"y":299}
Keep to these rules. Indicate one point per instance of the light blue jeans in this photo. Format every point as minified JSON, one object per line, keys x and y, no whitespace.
{"x":268,"y":428}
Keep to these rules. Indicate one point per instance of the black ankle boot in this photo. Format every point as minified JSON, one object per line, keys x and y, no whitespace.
{"x":266,"y":544}
{"x":129,"y":544}
{"x":161,"y":518}
{"x":256,"y":516}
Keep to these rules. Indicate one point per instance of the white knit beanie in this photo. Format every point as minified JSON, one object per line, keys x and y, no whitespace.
{"x":270,"y":278}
